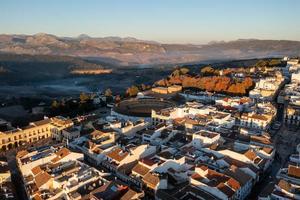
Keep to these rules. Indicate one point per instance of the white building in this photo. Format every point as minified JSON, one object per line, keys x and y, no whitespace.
{"x":54,"y":173}
{"x":204,"y":138}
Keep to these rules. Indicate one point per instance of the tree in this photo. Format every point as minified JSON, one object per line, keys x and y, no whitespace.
{"x":162,"y":83}
{"x":237,"y":88}
{"x":248,"y":82}
{"x":108,"y":92}
{"x":184,"y":71}
{"x":84,"y":97}
{"x":208,"y":70}
{"x":275,"y":62}
{"x":222,"y":84}
{"x":143,"y":87}
{"x":179,"y":71}
{"x":262,"y":63}
{"x":132,"y":91}
{"x":175,"y":73}
{"x":55,"y":104}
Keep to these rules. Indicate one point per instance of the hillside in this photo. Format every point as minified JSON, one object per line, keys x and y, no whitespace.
{"x":131,"y":51}
{"x":18,"y":68}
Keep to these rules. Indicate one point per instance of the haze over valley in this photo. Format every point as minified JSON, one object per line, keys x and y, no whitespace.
{"x":117,"y":51}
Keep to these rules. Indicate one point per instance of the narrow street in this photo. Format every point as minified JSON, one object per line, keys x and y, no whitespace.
{"x":15,"y":176}
{"x":285,"y":142}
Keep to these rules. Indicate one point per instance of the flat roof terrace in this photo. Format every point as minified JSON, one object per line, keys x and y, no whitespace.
{"x":207,"y":134}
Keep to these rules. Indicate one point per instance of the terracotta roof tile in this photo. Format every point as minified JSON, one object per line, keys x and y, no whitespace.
{"x":268,"y":150}
{"x":148,"y":161}
{"x":251,"y":155}
{"x":61,"y":154}
{"x":284,"y":185}
{"x":117,"y":154}
{"x":36,"y":170}
{"x":260,"y":139}
{"x":37,"y":197}
{"x":96,"y":134}
{"x":238,"y":175}
{"x":151,"y":180}
{"x":140,"y":169}
{"x":294,"y":171}
{"x":234,"y":184}
{"x":226,"y":190}
{"x":42,"y":178}
{"x":197,"y":176}
{"x":130,"y":194}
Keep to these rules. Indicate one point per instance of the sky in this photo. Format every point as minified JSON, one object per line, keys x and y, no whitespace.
{"x":167,"y":21}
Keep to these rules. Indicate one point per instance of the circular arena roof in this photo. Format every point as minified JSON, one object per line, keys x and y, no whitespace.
{"x":141,"y":107}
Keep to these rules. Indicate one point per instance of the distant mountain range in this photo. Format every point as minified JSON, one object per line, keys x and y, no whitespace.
{"x":131,"y":51}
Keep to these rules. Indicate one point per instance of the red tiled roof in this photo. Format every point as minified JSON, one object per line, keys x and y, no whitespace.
{"x":226,"y":190}
{"x":197,"y":176}
{"x":140,"y":169}
{"x":42,"y":178}
{"x":251,"y":155}
{"x":233,"y":184}
{"x":294,"y":171}
{"x":148,"y":161}
{"x":61,"y":154}
{"x":117,"y":154}
{"x":37,"y":197}
{"x":36,"y":170}
{"x":96,"y":134}
{"x":130,"y":194}
{"x":151,"y":180}
{"x":260,"y":139}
